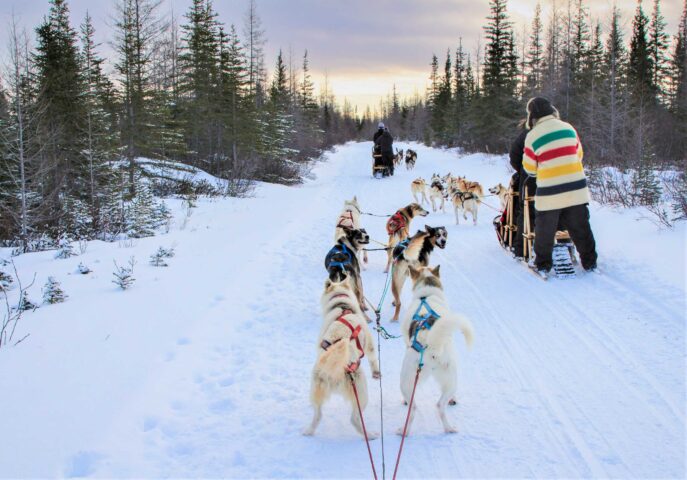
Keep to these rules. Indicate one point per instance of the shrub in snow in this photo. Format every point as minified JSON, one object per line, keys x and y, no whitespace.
{"x":52,"y":292}
{"x":25,"y":304}
{"x":124,"y":276}
{"x":66,"y":249}
{"x":162,"y":216}
{"x":83,"y":269}
{"x":157,"y":259}
{"x":6,"y":280}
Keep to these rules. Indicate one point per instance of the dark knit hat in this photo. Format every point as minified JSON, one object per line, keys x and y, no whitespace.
{"x":537,"y":108}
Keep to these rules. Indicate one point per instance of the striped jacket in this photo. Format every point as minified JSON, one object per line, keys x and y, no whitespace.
{"x":553,"y":154}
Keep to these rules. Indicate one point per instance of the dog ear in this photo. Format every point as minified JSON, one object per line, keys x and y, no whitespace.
{"x":435,"y":271}
{"x":429,"y":229}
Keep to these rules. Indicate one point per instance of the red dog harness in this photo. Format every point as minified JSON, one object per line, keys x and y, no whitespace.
{"x":355,"y":335}
{"x":347,"y":219}
{"x":395,"y":223}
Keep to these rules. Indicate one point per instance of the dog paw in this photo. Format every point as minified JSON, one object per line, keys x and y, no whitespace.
{"x":400,"y":432}
{"x":372,"y":435}
{"x":450,"y":429}
{"x":452,"y":402}
{"x":377,"y":375}
{"x":308,"y":432}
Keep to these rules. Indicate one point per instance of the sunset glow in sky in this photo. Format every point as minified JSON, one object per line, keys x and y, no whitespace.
{"x":364,"y":47}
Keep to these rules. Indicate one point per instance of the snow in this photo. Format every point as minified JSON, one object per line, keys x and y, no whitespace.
{"x":202,"y":368}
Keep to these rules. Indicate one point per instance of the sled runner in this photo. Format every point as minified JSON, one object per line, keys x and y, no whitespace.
{"x":505,"y":223}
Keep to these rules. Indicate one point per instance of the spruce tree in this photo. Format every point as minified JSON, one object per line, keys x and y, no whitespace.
{"x":200,"y":76}
{"x":535,"y":55}
{"x":100,"y":121}
{"x":658,"y":47}
{"x":497,"y":110}
{"x":641,"y":89}
{"x":137,"y":26}
{"x":678,"y":87}
{"x":61,"y":94}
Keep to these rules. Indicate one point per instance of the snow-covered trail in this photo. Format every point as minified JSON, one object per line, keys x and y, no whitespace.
{"x":567,"y":378}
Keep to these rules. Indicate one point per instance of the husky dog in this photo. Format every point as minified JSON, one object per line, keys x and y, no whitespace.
{"x":428,"y":326}
{"x":342,"y":260}
{"x":419,"y":187}
{"x":414,"y":251}
{"x":350,"y":218}
{"x":343,"y":341}
{"x":398,"y":226}
{"x":411,"y":158}
{"x":465,"y":196}
{"x":437,"y":192}
{"x":398,"y":157}
{"x":501,"y":192}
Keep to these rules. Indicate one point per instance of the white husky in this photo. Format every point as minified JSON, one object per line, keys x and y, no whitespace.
{"x":343,"y":341}
{"x":429,"y":309}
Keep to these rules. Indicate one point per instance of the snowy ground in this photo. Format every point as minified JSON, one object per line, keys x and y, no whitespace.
{"x":202,"y":368}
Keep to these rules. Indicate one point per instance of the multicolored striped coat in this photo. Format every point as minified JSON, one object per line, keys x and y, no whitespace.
{"x":553,"y":154}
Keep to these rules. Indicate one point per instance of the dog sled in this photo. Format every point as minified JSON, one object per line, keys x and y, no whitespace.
{"x":563,"y":255}
{"x":379,"y":168}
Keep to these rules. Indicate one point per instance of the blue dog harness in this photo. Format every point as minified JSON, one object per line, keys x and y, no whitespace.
{"x":400,"y":248}
{"x":422,"y":322}
{"x":338,"y":251}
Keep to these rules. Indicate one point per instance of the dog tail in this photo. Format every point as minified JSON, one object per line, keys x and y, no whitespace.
{"x":444,"y":328}
{"x":333,"y":362}
{"x":466,"y":327}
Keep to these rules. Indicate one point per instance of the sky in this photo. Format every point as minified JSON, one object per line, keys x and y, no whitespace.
{"x":363,"y":47}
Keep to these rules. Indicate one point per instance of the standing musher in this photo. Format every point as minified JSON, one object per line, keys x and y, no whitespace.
{"x":384,"y":143}
{"x":553,"y":154}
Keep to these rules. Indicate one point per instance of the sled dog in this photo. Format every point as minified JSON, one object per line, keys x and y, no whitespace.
{"x":437,"y":192}
{"x":342,"y":260}
{"x":414,"y":251}
{"x":428,"y":326}
{"x":350,"y":218}
{"x":501,"y":192}
{"x":466,"y":196}
{"x":398,"y":226}
{"x":419,"y":187}
{"x":411,"y":158}
{"x":343,"y":341}
{"x":398,"y":158}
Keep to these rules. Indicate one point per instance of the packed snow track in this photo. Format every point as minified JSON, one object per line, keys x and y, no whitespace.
{"x":202,"y":368}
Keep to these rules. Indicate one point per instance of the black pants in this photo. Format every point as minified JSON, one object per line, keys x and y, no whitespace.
{"x":576,"y":220}
{"x":388,"y":161}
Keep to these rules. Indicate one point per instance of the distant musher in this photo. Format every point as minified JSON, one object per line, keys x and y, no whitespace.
{"x":384,"y":145}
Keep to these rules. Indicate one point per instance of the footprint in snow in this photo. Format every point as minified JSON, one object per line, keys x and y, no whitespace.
{"x":83,"y":464}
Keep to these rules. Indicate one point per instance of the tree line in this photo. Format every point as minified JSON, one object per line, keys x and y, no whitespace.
{"x":626,"y":97}
{"x":193,"y":91}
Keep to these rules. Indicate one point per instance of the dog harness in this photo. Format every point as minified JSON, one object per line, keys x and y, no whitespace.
{"x":400,"y":248}
{"x":395,"y":223}
{"x":355,"y":335}
{"x":422,"y":322}
{"x":338,"y":251}
{"x":347,"y":219}
{"x":463,"y":196}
